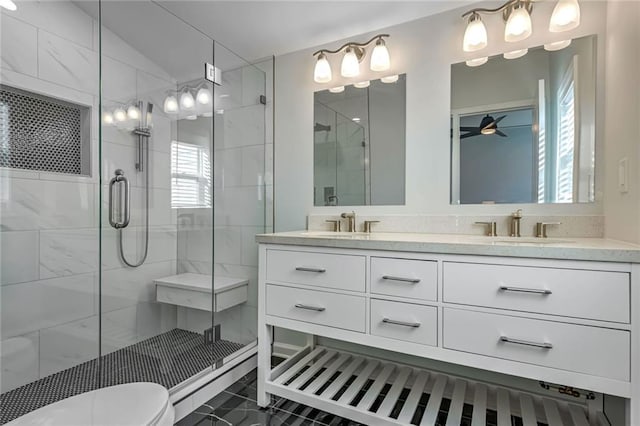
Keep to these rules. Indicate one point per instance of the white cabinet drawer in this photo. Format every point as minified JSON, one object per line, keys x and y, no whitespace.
{"x":591,"y":350}
{"x":405,"y":321}
{"x":416,"y":279}
{"x":346,"y":272}
{"x":598,"y":295}
{"x":318,"y":307}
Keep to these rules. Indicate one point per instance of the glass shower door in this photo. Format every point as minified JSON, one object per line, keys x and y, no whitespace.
{"x":156,"y":146}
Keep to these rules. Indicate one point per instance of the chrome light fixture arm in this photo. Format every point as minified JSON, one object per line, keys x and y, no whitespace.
{"x":506,"y":8}
{"x":358,"y":47}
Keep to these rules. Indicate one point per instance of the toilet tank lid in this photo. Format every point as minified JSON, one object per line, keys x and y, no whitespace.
{"x":133,"y":404}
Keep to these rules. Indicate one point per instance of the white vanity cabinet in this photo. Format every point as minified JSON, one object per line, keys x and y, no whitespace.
{"x":567,"y":322}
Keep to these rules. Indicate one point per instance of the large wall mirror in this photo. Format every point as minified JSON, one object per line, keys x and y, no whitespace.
{"x":523,"y":130}
{"x":359,"y":144}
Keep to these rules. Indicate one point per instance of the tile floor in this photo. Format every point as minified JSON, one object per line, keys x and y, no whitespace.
{"x":236,"y":406}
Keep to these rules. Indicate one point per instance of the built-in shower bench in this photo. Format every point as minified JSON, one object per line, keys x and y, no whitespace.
{"x":194,"y":291}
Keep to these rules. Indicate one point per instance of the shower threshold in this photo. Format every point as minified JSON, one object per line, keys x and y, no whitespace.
{"x":168,"y":359}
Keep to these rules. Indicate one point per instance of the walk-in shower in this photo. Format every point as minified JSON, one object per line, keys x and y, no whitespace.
{"x":126,"y":229}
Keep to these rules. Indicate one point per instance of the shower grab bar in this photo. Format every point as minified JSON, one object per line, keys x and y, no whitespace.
{"x":125,"y":216}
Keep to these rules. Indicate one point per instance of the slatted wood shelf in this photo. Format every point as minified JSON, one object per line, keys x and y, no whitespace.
{"x":378,"y":392}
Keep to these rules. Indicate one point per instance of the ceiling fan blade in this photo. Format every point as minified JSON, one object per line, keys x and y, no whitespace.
{"x":468,"y":129}
{"x":468,"y":135}
{"x":498,"y":132}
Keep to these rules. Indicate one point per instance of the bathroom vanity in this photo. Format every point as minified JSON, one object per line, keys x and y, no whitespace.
{"x":496,"y":304}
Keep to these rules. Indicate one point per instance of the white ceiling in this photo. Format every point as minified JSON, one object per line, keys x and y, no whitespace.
{"x":258,"y":29}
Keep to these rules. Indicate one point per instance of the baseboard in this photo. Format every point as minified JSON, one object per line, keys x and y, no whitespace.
{"x":190,"y":396}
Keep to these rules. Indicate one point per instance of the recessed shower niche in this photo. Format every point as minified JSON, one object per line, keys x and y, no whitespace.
{"x":42,"y":133}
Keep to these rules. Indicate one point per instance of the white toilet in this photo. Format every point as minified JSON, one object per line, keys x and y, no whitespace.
{"x":132,"y":404}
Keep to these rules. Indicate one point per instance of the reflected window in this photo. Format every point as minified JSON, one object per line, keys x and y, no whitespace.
{"x":566,"y":139}
{"x":190,"y":175}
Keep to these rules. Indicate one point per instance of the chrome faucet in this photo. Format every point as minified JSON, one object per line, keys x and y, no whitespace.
{"x":351,"y":221}
{"x":516,"y":217}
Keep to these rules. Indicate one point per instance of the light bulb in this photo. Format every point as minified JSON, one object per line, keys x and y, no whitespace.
{"x":338,"y":89}
{"x":477,"y":62}
{"x":515,"y":54}
{"x":380,"y":60}
{"x":362,"y":84}
{"x":8,"y":4}
{"x":322,"y":71}
{"x":119,"y":114}
{"x":475,"y":36}
{"x":107,"y":118}
{"x":518,"y":25}
{"x":204,"y":96}
{"x":186,"y":100}
{"x":133,"y":112}
{"x":565,"y":17}
{"x":557,"y":45}
{"x":350,"y":64}
{"x":170,"y":105}
{"x":389,"y":78}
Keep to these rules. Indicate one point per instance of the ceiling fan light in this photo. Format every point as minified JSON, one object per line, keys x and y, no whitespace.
{"x":515,"y":54}
{"x":477,"y":62}
{"x":322,"y":71}
{"x":565,"y":17}
{"x":475,"y":36}
{"x":557,"y":45}
{"x":350,"y":64}
{"x":489,"y":131}
{"x":380,"y":60}
{"x":518,"y":26}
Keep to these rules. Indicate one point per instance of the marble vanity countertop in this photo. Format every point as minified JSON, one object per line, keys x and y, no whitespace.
{"x":592,"y":249}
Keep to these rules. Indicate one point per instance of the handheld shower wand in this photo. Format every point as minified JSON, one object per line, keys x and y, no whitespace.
{"x":143,"y":132}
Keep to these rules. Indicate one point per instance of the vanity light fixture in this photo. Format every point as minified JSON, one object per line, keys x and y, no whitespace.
{"x":515,"y":54}
{"x":133,"y":112}
{"x":362,"y":84}
{"x":338,"y":89}
{"x":518,"y":25}
{"x":565,"y":17}
{"x":8,"y":4}
{"x":390,"y":78}
{"x":186,"y":100}
{"x":107,"y":118}
{"x":119,"y":114}
{"x":170,"y":104}
{"x":557,"y":45}
{"x":354,"y":53}
{"x":203,"y":97}
{"x":477,"y":62}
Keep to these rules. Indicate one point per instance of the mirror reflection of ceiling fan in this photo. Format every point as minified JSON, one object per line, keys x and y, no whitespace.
{"x":488,"y":126}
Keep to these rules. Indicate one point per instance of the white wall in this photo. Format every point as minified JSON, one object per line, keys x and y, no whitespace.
{"x":622,"y":210}
{"x":49,"y":222}
{"x":425,"y":50}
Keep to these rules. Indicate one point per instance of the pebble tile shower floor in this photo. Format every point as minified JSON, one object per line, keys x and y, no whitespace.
{"x":168,"y":359}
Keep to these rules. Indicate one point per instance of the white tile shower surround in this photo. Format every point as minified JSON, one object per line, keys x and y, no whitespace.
{"x":49,"y":237}
{"x":571,"y":226}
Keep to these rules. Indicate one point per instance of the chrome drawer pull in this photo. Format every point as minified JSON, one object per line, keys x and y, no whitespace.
{"x":526,"y":290}
{"x":404,"y":280}
{"x":403,"y":323}
{"x":304,"y":269}
{"x":310,"y":308}
{"x":544,"y":345}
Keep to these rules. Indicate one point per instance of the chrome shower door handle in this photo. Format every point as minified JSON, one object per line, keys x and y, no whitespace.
{"x":123,"y":218}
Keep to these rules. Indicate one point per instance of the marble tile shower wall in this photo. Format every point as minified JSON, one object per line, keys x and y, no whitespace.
{"x":49,"y":222}
{"x":243,"y":200}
